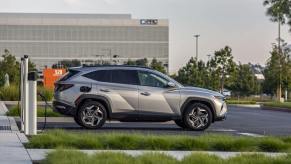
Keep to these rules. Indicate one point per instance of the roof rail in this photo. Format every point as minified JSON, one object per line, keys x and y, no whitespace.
{"x":133,"y":66}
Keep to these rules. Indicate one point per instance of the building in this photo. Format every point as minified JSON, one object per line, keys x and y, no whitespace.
{"x":90,"y":38}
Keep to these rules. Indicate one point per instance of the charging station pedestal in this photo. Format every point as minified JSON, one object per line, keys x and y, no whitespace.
{"x":32,"y":110}
{"x":25,"y":94}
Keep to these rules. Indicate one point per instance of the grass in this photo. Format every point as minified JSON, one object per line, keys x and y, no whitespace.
{"x":135,"y":141}
{"x":11,"y":93}
{"x":241,"y":102}
{"x":278,"y":104}
{"x":14,"y":111}
{"x":77,"y":157}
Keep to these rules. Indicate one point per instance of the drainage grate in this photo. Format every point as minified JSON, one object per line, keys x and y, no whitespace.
{"x":5,"y":128}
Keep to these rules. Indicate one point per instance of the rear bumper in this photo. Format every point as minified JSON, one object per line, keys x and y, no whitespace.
{"x":64,"y":109}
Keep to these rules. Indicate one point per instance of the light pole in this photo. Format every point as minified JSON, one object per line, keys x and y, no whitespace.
{"x":197,"y":37}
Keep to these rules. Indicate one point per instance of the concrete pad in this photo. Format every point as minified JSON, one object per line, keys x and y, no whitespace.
{"x":12,"y":150}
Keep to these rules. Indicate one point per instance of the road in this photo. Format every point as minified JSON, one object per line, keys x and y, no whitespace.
{"x":240,"y":121}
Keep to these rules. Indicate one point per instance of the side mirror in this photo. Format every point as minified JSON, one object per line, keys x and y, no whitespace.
{"x":171,"y":85}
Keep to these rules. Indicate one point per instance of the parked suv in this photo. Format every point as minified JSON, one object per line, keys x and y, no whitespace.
{"x":93,"y":95}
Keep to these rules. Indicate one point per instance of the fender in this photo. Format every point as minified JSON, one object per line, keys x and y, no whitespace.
{"x":199,"y":99}
{"x":102,"y":99}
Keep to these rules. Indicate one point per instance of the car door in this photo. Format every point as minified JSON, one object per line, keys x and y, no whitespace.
{"x":156,"y":99}
{"x":119,"y":87}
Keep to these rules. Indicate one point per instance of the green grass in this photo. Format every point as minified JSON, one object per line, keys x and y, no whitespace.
{"x":11,"y":93}
{"x":14,"y":111}
{"x":278,"y":104}
{"x":134,"y":141}
{"x":240,"y":102}
{"x":77,"y":157}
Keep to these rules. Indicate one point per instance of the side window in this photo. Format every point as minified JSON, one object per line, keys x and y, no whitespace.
{"x":102,"y":75}
{"x":125,"y":77}
{"x":151,"y":80}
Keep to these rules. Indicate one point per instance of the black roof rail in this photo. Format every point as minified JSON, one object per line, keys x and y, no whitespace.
{"x":133,"y":66}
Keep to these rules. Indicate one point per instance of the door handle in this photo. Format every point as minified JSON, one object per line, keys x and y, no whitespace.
{"x":104,"y":90}
{"x":145,"y":93}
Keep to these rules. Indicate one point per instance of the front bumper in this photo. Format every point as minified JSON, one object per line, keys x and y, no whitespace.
{"x":222,"y":115}
{"x":64,"y":109}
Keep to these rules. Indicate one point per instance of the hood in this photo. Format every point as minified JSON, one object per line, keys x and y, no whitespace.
{"x":197,"y":89}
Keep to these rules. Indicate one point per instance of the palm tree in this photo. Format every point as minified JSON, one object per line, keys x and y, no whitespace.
{"x":279,"y":11}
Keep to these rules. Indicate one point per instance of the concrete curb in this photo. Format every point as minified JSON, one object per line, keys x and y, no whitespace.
{"x":40,"y":154}
{"x":276,"y":109}
{"x":245,"y":105}
{"x":16,"y":102}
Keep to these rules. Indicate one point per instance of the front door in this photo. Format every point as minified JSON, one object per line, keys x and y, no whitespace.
{"x":156,"y":100}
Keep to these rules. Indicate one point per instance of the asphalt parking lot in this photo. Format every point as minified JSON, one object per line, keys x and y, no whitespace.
{"x":240,"y":121}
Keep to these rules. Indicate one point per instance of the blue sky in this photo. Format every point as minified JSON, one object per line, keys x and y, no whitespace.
{"x":241,"y":24}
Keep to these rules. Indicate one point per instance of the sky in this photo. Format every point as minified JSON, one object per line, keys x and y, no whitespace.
{"x":240,"y":24}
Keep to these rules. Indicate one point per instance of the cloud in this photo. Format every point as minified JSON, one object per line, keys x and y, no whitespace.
{"x":73,"y":2}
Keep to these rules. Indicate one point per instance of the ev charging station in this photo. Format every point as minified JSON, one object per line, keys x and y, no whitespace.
{"x":28,"y":99}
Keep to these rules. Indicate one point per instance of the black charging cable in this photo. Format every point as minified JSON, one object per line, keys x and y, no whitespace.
{"x":45,"y":109}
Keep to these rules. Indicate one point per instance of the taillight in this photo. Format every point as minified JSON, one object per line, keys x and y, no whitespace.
{"x":62,"y":87}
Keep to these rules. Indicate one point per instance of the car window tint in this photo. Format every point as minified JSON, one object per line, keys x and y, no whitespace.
{"x":151,"y":80}
{"x":102,"y":75}
{"x":125,"y":77}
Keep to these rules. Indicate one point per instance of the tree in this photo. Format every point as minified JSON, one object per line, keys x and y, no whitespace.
{"x":10,"y":66}
{"x":244,"y":81}
{"x":222,"y":64}
{"x":139,"y":62}
{"x":279,"y":11}
{"x":157,"y":65}
{"x":277,"y":65}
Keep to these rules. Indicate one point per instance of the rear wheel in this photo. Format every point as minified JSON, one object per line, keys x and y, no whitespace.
{"x":197,"y":117}
{"x":92,"y":115}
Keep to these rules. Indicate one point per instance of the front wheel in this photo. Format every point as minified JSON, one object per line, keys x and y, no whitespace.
{"x":92,"y":115}
{"x":197,"y":117}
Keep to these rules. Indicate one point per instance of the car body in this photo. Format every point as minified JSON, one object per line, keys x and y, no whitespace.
{"x":93,"y":95}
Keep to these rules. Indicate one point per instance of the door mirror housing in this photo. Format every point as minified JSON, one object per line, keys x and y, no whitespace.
{"x":171,"y":85}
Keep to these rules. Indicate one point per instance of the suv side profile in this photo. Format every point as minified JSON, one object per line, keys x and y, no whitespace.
{"x":93,"y":95}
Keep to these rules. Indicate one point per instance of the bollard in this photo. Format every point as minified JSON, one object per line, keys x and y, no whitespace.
{"x":32,"y":110}
{"x":25,"y":93}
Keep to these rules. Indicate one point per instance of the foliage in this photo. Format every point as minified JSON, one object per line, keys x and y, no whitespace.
{"x":279,"y":10}
{"x":136,"y":141}
{"x":278,"y":104}
{"x":139,"y":62}
{"x":14,"y":111}
{"x":11,"y":93}
{"x":241,"y":102}
{"x":67,"y":64}
{"x":61,"y":156}
{"x":157,"y":65}
{"x":278,"y":65}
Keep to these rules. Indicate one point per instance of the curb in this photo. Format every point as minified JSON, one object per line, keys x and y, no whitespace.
{"x":276,"y":109}
{"x":38,"y":155}
{"x":245,"y":105}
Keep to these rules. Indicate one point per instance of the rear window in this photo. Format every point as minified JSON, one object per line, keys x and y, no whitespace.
{"x":68,"y":75}
{"x":114,"y":76}
{"x":102,"y":75}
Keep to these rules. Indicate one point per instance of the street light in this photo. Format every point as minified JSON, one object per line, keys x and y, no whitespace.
{"x":197,"y":36}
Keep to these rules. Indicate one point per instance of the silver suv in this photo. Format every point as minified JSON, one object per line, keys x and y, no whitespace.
{"x":93,"y":95}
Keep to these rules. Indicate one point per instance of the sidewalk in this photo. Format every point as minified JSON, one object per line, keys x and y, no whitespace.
{"x":11,"y":149}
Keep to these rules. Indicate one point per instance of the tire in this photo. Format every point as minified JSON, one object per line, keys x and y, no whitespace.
{"x":181,"y":124}
{"x":76,"y":119}
{"x":92,"y":115}
{"x":197,"y":117}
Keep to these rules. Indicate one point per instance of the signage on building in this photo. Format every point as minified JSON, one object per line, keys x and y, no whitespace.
{"x":149,"y":21}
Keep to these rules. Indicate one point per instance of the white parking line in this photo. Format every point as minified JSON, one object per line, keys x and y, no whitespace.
{"x":223,"y":130}
{"x":251,"y":134}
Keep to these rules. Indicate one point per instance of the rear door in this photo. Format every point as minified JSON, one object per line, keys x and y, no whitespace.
{"x":120,"y":88}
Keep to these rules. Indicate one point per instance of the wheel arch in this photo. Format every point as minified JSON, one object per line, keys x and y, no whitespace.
{"x":101,"y":99}
{"x":204,"y":101}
